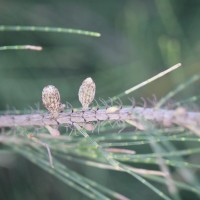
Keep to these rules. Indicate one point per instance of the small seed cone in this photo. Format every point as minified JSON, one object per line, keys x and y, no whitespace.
{"x":51,"y":99}
{"x":87,"y":92}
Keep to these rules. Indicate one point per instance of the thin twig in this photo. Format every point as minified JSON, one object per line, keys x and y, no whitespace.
{"x":161,"y":116}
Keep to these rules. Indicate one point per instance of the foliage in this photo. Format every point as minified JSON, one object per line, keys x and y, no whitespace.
{"x":115,"y":161}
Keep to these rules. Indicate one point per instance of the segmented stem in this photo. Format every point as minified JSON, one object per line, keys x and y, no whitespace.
{"x":136,"y":114}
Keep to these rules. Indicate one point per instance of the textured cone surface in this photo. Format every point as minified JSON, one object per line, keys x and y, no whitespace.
{"x":87,"y":92}
{"x":51,"y":99}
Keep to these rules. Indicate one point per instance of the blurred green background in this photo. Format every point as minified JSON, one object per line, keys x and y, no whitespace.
{"x":139,"y":39}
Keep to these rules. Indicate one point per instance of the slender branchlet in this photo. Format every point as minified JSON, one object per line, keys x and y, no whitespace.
{"x":21,"y":47}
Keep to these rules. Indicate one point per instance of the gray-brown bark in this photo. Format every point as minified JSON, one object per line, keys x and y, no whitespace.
{"x":162,"y":116}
